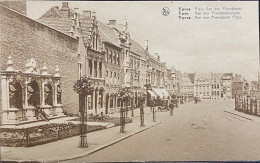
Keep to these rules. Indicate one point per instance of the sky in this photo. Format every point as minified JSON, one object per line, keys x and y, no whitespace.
{"x":200,"y":46}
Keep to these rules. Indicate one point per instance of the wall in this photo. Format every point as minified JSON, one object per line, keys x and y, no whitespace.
{"x":19,"y":6}
{"x":23,"y":38}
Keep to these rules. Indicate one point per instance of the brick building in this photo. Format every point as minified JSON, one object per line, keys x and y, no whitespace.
{"x":23,"y":38}
{"x":83,"y":26}
{"x":113,"y":64}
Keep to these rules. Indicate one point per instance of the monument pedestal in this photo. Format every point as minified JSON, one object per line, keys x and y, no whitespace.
{"x":58,"y":110}
{"x":10,"y":116}
{"x":30,"y":113}
{"x":48,"y":110}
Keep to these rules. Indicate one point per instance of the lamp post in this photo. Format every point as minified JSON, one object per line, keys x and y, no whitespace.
{"x":83,"y":87}
{"x":141,"y":99}
{"x":124,"y":95}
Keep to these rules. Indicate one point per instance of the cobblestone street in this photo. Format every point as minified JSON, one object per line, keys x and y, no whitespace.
{"x":195,"y":132}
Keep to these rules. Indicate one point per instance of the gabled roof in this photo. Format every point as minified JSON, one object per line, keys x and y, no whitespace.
{"x":228,"y":74}
{"x":204,"y":76}
{"x":192,"y":77}
{"x":137,"y":48}
{"x":108,"y":34}
{"x":61,"y":20}
{"x":254,"y":83}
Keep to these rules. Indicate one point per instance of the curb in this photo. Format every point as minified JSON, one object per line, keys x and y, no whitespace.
{"x":108,"y":144}
{"x":85,"y":153}
{"x":238,"y":115}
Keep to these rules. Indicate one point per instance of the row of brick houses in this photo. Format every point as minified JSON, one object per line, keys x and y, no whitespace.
{"x":69,"y":45}
{"x":214,"y":85}
{"x":72,"y":44}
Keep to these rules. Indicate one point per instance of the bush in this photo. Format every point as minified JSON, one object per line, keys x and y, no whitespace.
{"x":41,"y":134}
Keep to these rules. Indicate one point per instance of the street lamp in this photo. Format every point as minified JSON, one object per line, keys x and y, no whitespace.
{"x":141,"y":100}
{"x":83,"y":87}
{"x":124,"y":94}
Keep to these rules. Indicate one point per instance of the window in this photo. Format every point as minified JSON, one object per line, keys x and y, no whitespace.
{"x":118,"y":102}
{"x":90,"y":66}
{"x":118,"y":59}
{"x":94,"y":40}
{"x":95,"y":69}
{"x":111,"y":101}
{"x":100,"y":69}
{"x":115,"y":60}
{"x":110,"y":56}
{"x":106,"y":73}
{"x":79,"y":70}
{"x":106,"y":56}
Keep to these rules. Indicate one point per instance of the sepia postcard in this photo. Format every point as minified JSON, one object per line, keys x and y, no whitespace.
{"x":129,"y":81}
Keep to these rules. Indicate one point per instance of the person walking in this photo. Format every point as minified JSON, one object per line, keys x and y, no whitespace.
{"x":171,"y":106}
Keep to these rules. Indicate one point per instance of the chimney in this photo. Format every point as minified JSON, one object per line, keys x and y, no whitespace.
{"x":93,"y":13}
{"x":146,"y":45}
{"x":56,"y":7}
{"x":157,"y":56}
{"x":112,"y":22}
{"x":87,"y":13}
{"x":65,"y":4}
{"x":76,"y":10}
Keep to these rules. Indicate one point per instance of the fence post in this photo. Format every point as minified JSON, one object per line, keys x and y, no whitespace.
{"x":247,"y":105}
{"x":58,"y":132}
{"x":235,"y":101}
{"x":242,"y":103}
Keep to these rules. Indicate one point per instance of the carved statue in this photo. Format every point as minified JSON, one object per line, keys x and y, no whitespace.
{"x":47,"y":93}
{"x":12,"y":92}
{"x":30,"y":94}
{"x":59,"y":94}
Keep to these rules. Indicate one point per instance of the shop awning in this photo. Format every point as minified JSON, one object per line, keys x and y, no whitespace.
{"x":151,"y":93}
{"x":161,"y":92}
{"x":165,"y":92}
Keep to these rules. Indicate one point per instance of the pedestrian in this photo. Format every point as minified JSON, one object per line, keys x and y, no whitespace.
{"x":40,"y":114}
{"x":171,"y":107}
{"x":195,"y":100}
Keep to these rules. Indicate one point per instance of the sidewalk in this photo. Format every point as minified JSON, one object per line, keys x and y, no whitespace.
{"x":136,"y":112}
{"x":231,"y":110}
{"x":67,"y":149}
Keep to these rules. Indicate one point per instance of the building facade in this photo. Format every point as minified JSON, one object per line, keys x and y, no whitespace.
{"x":85,"y":27}
{"x":202,"y":86}
{"x":227,"y":80}
{"x":216,"y":86}
{"x":33,"y":44}
{"x":187,"y":87}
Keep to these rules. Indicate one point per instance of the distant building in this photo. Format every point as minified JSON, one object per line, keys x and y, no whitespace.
{"x":202,"y":86}
{"x":187,"y":86}
{"x":216,"y":86}
{"x":227,"y":80}
{"x":237,"y":85}
{"x":253,"y":87}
